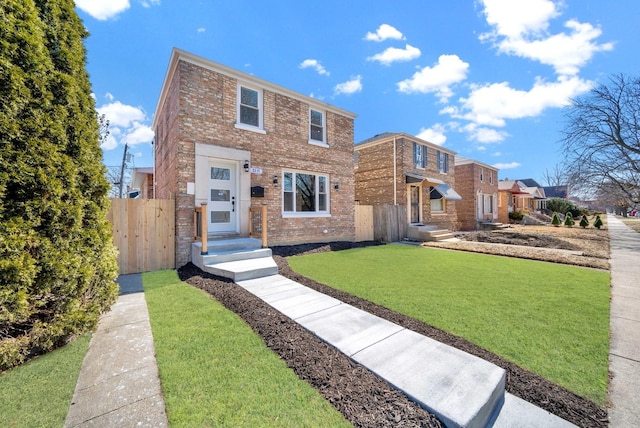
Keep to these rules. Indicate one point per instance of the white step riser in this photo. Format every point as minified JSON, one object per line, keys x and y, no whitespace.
{"x":241,"y":276}
{"x":232,"y":256}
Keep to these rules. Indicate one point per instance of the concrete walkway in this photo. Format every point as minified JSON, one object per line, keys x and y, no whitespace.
{"x":624,"y":351}
{"x":118,"y":384}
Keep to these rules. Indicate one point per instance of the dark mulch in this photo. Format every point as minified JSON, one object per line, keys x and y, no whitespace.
{"x":363,"y":398}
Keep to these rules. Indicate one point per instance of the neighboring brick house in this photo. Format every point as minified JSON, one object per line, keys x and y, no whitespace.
{"x":477,"y":183}
{"x":399,"y":169}
{"x":509,"y":192}
{"x":234,"y":141}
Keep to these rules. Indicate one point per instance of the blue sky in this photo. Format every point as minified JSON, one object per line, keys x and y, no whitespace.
{"x":487,"y":79}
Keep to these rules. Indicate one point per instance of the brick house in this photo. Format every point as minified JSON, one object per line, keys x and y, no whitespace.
{"x":477,"y":183}
{"x":234,"y":141}
{"x":400,"y":169}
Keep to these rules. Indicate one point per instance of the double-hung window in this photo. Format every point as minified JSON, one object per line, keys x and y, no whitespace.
{"x":443,"y":162}
{"x":419,"y":155}
{"x":481,"y":175}
{"x":317,"y":127}
{"x":305,"y":193}
{"x":249,"y":108}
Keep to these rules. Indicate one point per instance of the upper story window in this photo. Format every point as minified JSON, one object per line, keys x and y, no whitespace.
{"x":443,"y":162}
{"x":490,"y":177}
{"x":249,"y":108}
{"x":305,"y":193}
{"x":419,"y":155}
{"x":317,"y":127}
{"x":481,"y":175}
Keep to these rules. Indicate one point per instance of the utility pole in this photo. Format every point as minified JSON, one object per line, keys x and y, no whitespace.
{"x":122,"y":167}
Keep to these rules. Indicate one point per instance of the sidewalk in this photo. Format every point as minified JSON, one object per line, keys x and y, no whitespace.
{"x":118,"y":384}
{"x":624,"y":350}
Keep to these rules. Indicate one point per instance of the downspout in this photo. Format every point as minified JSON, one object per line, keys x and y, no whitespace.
{"x":395,"y":178}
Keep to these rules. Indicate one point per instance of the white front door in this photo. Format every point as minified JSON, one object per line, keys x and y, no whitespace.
{"x":223,"y":200}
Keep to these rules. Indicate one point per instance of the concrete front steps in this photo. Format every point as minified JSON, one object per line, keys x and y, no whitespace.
{"x":238,"y":259}
{"x":428,"y":233}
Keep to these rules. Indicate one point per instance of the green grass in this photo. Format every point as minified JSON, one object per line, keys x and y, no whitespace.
{"x":549,"y":318}
{"x":38,"y":393}
{"x":215,"y":371}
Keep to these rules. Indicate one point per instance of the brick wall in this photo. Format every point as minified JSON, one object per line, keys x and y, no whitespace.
{"x":200,"y":107}
{"x":468,"y":184}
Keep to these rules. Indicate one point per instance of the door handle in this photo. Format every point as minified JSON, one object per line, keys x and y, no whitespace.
{"x":233,"y":204}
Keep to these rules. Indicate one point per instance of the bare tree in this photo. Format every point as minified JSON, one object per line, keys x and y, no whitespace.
{"x":602,"y":139}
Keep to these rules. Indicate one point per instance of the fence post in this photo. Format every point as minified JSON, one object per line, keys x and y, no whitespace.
{"x":203,"y":229}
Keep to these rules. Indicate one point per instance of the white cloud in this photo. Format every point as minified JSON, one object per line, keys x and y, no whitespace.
{"x":513,"y":18}
{"x":138,"y":133}
{"x":521,"y":28}
{"x":149,"y":3}
{"x":315,"y":64}
{"x":391,"y":55}
{"x":201,"y":30}
{"x":483,"y":134}
{"x":494,"y":103}
{"x":566,"y":53}
{"x":126,"y":125}
{"x":384,"y":32}
{"x":103,"y":9}
{"x":109,"y":96}
{"x":121,"y":115}
{"x":436,"y":134}
{"x":449,"y":70}
{"x":349,"y":87}
{"x":510,"y":165}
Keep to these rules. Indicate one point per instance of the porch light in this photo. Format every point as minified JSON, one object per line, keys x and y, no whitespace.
{"x":336,"y":185}
{"x":275,"y":180}
{"x":246,"y":166}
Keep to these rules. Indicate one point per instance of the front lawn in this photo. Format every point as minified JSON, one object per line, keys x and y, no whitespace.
{"x":38,"y":393}
{"x":551,"y":319}
{"x":215,"y":371}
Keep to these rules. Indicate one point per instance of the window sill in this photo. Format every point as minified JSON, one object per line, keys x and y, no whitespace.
{"x":319,"y":143}
{"x":250,"y":128}
{"x":288,"y":214}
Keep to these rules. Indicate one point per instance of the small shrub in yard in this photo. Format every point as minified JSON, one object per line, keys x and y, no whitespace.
{"x":597,"y":222}
{"x":568,"y":220}
{"x":555,"y":220}
{"x":584,"y":221}
{"x":516,"y":216}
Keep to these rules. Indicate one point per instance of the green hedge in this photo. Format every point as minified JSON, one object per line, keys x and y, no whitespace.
{"x":57,"y":260}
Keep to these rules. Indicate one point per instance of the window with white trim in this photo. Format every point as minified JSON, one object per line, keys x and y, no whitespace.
{"x":481,"y":175}
{"x":305,"y":193}
{"x":249,"y":107}
{"x":443,"y":162}
{"x":487,"y":204}
{"x":419,"y":155}
{"x":317,"y":127}
{"x":436,"y":201}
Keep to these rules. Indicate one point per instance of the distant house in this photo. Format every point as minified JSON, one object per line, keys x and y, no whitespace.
{"x":519,"y":195}
{"x":141,"y":186}
{"x":477,"y":184}
{"x":400,"y":169}
{"x":233,"y":141}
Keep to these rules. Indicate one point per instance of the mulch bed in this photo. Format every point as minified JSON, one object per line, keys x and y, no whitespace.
{"x":363,"y":398}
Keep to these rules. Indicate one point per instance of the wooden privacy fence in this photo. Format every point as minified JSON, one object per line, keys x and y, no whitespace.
{"x":144,"y":233}
{"x":364,"y":223}
{"x":389,"y":223}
